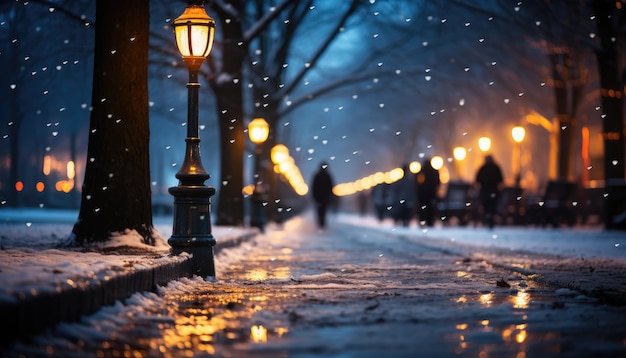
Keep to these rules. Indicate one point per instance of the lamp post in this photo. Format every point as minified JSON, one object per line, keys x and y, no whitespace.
{"x":258,"y":131}
{"x":194,"y":31}
{"x":518,"y":133}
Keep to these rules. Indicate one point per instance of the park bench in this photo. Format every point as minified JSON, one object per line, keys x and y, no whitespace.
{"x":556,"y":206}
{"x":456,"y":203}
{"x":511,"y":209}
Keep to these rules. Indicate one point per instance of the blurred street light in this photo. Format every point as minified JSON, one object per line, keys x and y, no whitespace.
{"x":194,"y":31}
{"x":553,"y":129}
{"x":437,"y":162}
{"x":459,"y":153}
{"x":279,"y":154}
{"x":258,"y":131}
{"x":518,"y":133}
{"x":484,"y":144}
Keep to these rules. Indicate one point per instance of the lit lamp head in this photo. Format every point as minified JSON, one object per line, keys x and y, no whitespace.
{"x":258,"y":130}
{"x":279,"y":154}
{"x":436,"y":162}
{"x":518,"y":133}
{"x":484,"y":143}
{"x":459,"y":153}
{"x":194,"y":31}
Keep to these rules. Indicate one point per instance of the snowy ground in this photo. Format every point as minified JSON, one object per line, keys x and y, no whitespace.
{"x":369,"y":289}
{"x":575,"y":242}
{"x":32,"y":261}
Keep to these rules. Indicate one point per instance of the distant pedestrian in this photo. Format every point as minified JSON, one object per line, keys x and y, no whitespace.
{"x":362,"y":199}
{"x":322,"y":188}
{"x":404,"y":198}
{"x":381,"y":199}
{"x":428,"y":182}
{"x":259,"y":199}
{"x":489,"y":179}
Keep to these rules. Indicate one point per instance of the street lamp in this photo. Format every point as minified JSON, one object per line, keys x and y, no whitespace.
{"x":258,"y":131}
{"x":279,"y":154}
{"x":194,"y":31}
{"x":518,"y":133}
{"x":484,"y":143}
{"x":459,"y":153}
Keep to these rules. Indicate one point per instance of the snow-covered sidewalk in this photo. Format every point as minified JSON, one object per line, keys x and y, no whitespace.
{"x":584,"y":242}
{"x":31,"y":260}
{"x":35,"y":271}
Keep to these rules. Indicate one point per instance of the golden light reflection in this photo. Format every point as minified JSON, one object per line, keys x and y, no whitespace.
{"x":256,"y":275}
{"x":461,"y":299}
{"x":258,"y":334}
{"x":461,"y":327}
{"x":521,"y":300}
{"x":486,"y":299}
{"x":286,"y":251}
{"x":281,"y":331}
{"x":461,"y":273}
{"x":516,"y":332}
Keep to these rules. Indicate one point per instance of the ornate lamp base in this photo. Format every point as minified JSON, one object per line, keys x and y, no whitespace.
{"x":192,"y":227}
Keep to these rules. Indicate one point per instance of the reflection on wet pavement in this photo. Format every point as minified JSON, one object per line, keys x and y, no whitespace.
{"x":349,"y":293}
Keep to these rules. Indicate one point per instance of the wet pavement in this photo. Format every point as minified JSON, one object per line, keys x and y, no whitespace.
{"x":352,"y":291}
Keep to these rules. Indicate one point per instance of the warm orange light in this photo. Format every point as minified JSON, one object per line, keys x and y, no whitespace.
{"x":40,"y":186}
{"x":258,"y":334}
{"x":19,"y":186}
{"x":436,"y":162}
{"x":71,"y":170}
{"x":258,"y":130}
{"x":484,"y":143}
{"x":279,"y":154}
{"x":194,"y":31}
{"x":518,"y":133}
{"x":47,"y":160}
{"x":248,"y":190}
{"x":415,"y":167}
{"x":64,"y":185}
{"x":459,"y":153}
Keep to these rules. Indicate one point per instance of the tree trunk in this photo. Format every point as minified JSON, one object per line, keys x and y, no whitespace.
{"x":611,"y":91}
{"x":229,"y":98}
{"x":566,"y":119}
{"x":15,"y":113}
{"x":116,"y":189}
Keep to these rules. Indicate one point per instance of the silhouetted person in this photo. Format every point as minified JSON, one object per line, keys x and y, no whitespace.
{"x":428,"y":182}
{"x":404,"y":195}
{"x":381,"y":200}
{"x":322,"y":193}
{"x":258,"y":201}
{"x":362,"y":199}
{"x":489,"y":178}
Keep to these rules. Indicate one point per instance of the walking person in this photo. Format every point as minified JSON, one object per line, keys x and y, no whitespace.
{"x":404,"y":194}
{"x":428,"y":182}
{"x":489,"y":179}
{"x":381,"y":200}
{"x":322,"y":187}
